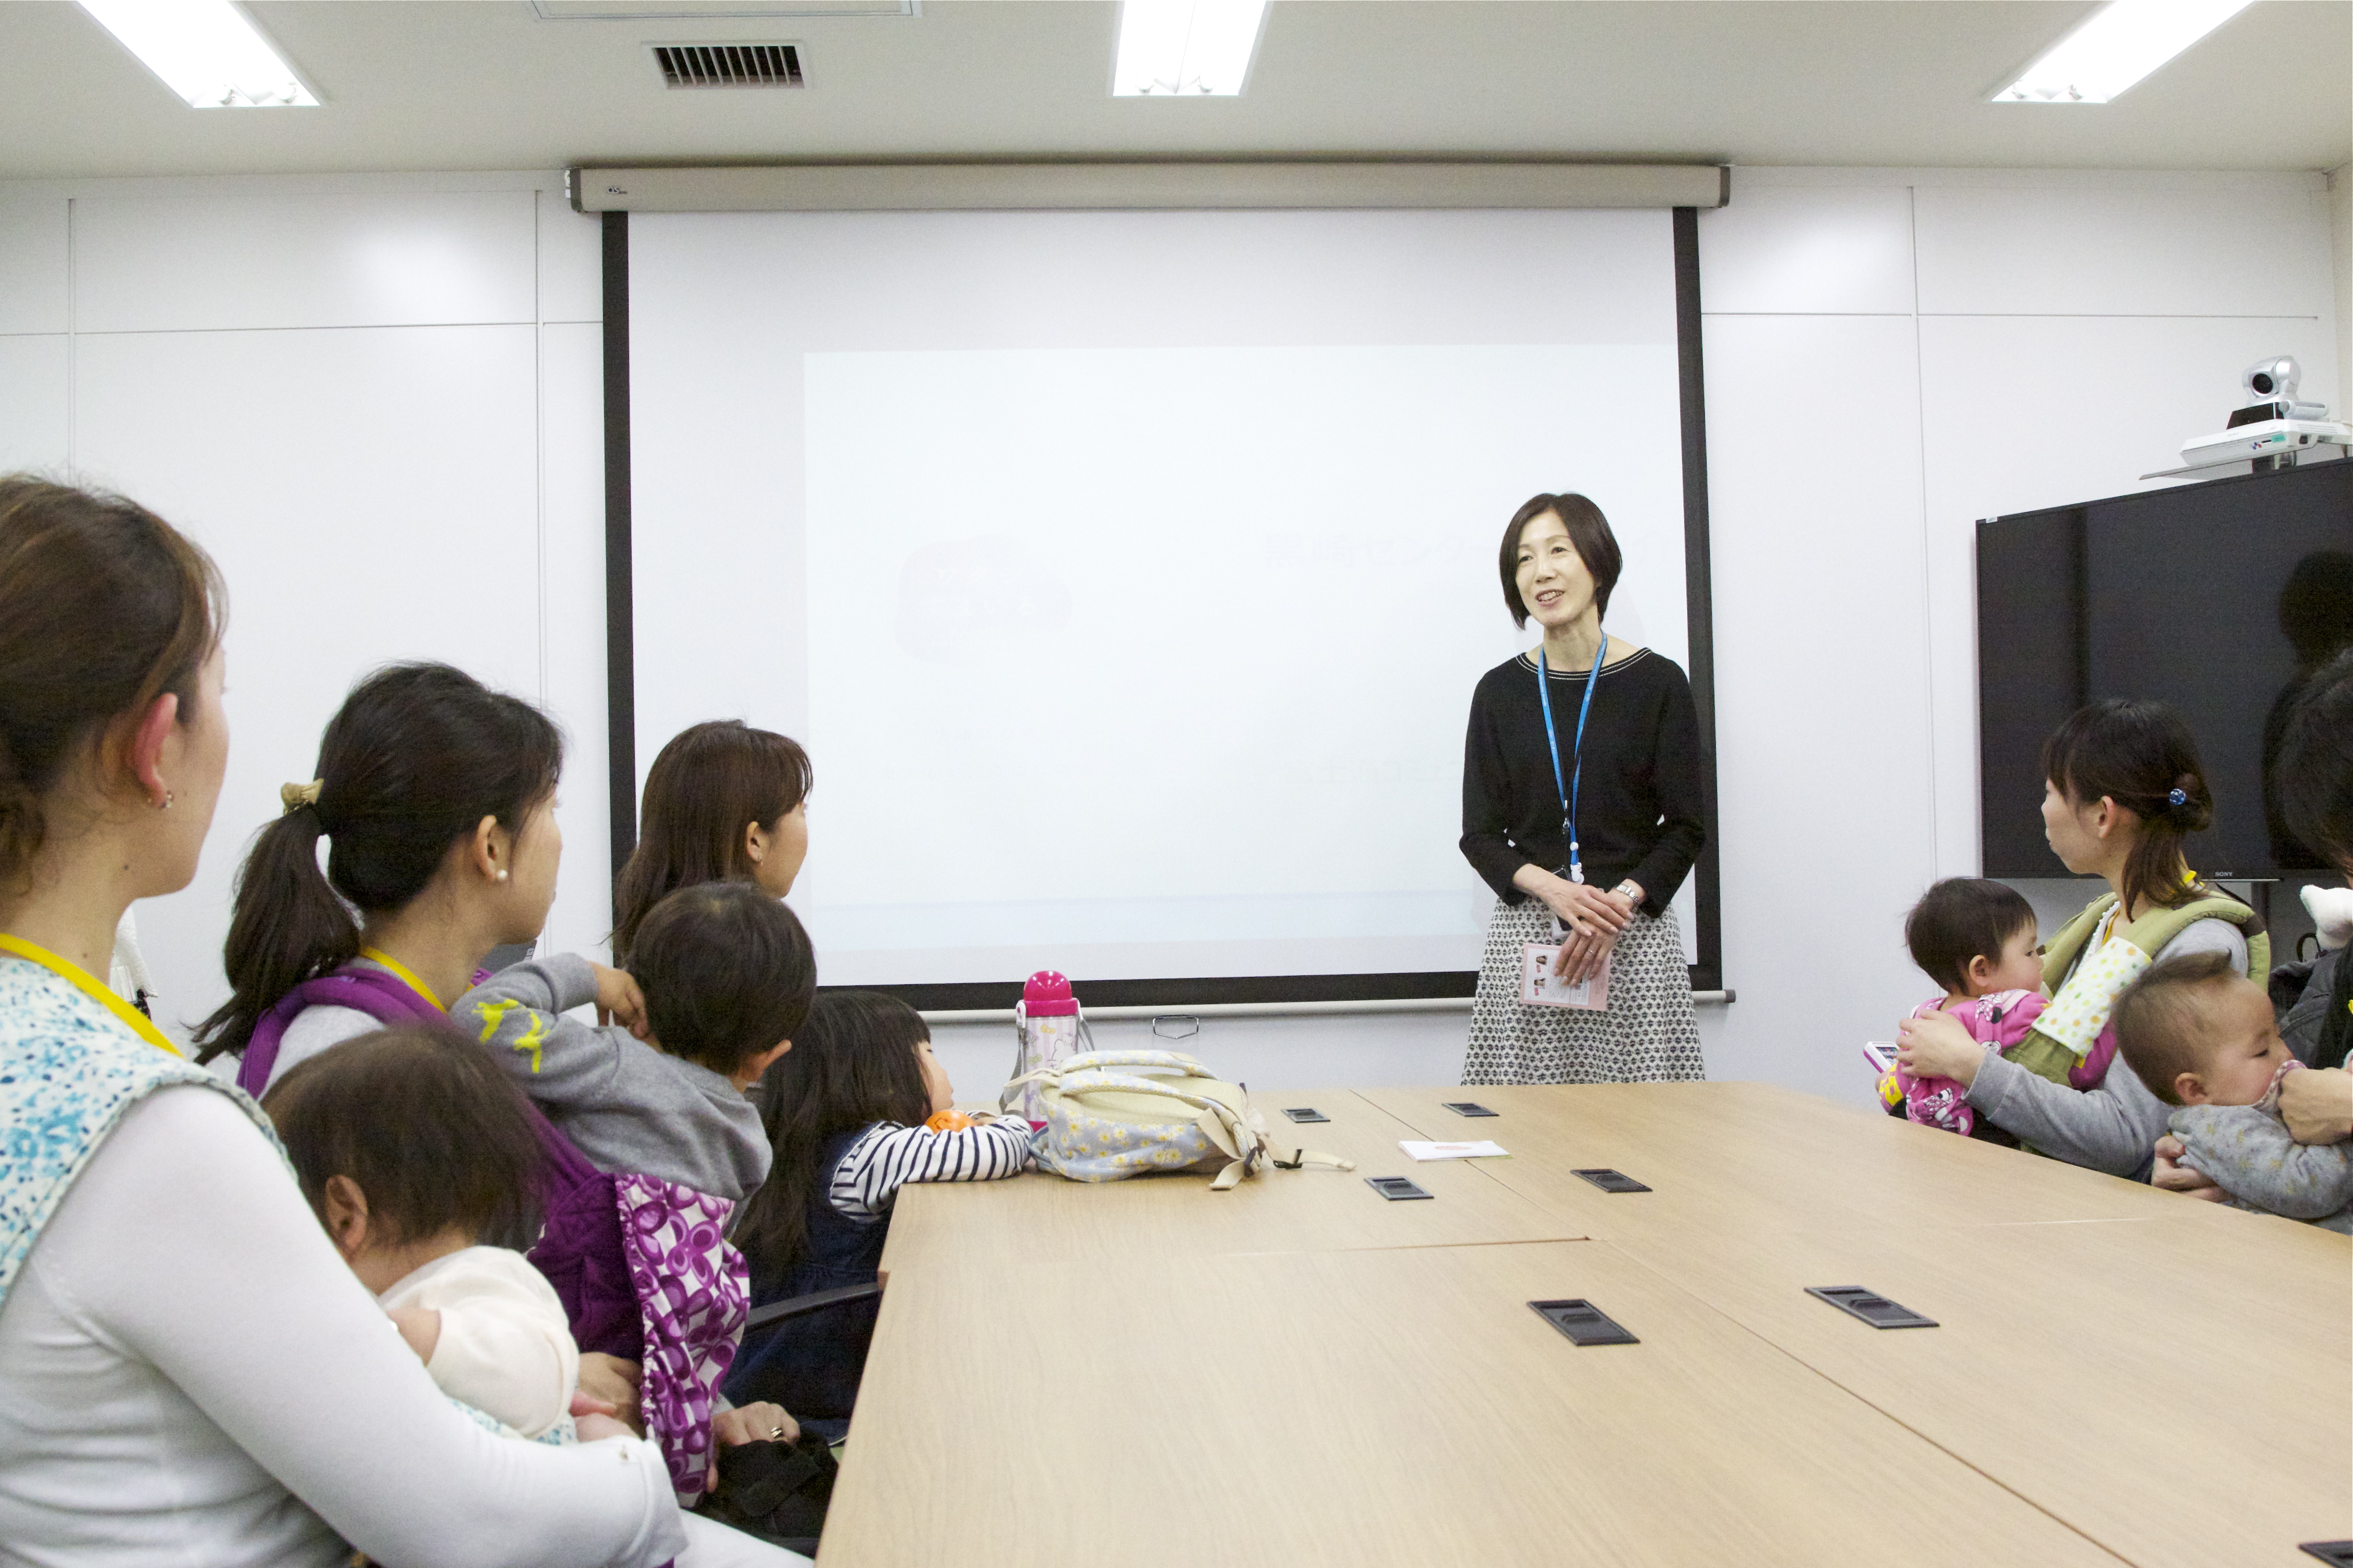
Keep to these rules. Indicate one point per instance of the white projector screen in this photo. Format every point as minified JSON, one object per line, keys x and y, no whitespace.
{"x":1127,"y":574}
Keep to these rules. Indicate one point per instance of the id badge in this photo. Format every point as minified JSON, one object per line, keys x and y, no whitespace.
{"x":1540,"y":987}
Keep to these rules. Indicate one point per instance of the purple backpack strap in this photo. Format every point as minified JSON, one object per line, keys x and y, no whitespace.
{"x":386,"y":998}
{"x":580,"y":1249}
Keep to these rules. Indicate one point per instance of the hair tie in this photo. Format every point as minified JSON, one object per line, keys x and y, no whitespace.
{"x":294,"y":796}
{"x":2179,"y":796}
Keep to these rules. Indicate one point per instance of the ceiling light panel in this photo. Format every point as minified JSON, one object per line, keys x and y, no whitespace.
{"x":715,"y":10}
{"x":1186,"y":49}
{"x":2116,"y":47}
{"x":207,"y":51}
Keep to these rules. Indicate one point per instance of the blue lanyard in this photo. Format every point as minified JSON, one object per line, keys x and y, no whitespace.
{"x":1570,"y":786}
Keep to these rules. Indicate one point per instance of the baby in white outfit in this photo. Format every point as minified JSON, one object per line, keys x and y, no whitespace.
{"x":414,"y":1148}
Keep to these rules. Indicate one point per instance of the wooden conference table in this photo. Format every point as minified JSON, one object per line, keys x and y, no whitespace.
{"x":1300,"y":1372}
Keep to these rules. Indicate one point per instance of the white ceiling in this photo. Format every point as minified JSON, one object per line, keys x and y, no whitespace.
{"x":486,"y":84}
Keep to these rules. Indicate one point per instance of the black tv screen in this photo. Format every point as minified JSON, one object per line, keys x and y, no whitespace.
{"x":2217,"y":598}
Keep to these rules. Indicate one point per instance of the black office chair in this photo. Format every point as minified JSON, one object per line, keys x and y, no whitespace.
{"x":774,"y":1313}
{"x":774,"y":1491}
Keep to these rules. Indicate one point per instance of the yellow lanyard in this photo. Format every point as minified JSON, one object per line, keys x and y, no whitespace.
{"x":138,"y":1022}
{"x":378,"y":955}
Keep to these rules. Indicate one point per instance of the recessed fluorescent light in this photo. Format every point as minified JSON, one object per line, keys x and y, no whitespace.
{"x":2123,"y":42}
{"x":207,"y":51}
{"x":1186,"y":49}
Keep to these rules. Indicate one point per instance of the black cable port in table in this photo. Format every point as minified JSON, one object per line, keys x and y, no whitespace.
{"x":1874,"y":1308}
{"x":1611,"y":1181}
{"x":1583,"y":1322}
{"x":1397,"y":1189}
{"x":1305,"y":1114}
{"x":2338,"y":1553}
{"x":1468,"y":1108}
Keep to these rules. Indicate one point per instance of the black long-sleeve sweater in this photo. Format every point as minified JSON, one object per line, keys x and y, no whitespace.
{"x":1639,"y":812}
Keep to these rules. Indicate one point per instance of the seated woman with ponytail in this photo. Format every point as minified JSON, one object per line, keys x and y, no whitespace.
{"x":2124,"y":786}
{"x":435,"y":795}
{"x":189,"y":1373}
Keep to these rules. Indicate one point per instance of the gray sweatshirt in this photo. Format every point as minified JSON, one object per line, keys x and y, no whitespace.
{"x":2245,"y":1150}
{"x":624,"y":1105}
{"x":2113,"y":1126}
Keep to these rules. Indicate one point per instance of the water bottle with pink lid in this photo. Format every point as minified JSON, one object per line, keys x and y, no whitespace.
{"x":1049,"y":1028}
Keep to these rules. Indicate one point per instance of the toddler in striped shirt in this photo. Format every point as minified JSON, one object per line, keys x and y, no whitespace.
{"x":857,"y":1109}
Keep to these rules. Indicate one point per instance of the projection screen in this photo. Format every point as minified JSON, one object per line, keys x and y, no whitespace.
{"x":1127,"y":573}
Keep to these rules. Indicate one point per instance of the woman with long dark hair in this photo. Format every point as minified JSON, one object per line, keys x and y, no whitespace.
{"x":188,"y":1372}
{"x":435,"y":795}
{"x":1583,"y":808}
{"x":2124,"y":789}
{"x":722,"y":803}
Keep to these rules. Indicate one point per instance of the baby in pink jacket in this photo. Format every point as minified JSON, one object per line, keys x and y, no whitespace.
{"x":1978,"y":940}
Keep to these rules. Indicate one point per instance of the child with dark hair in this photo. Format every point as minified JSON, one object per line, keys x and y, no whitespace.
{"x":1978,"y":940}
{"x":2204,"y":1041}
{"x":662,"y":1141}
{"x":412,"y":1150}
{"x":859,"y":1110}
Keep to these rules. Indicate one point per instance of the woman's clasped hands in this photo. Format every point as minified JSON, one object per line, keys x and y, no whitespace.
{"x":1593,"y":919}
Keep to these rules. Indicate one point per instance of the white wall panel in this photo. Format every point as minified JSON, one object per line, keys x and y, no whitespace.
{"x":571,"y":446}
{"x":1807,"y":249}
{"x":149,"y":263}
{"x":2245,"y":245}
{"x":32,"y":402}
{"x":571,"y":262}
{"x":32,"y":262}
{"x":369,"y":496}
{"x":1821,"y":729}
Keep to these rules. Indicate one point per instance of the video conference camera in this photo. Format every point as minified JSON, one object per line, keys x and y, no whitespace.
{"x":2273,"y":383}
{"x":2274,"y":430}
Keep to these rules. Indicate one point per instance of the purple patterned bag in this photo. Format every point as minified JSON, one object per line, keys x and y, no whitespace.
{"x":694,"y":1294}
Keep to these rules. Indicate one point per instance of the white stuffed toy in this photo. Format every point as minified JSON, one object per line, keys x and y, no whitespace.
{"x":2332,"y":915}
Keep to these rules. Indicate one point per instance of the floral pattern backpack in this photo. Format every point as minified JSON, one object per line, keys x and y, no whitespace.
{"x":1113,"y":1114}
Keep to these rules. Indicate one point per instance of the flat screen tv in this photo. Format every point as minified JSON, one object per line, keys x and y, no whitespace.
{"x":2218,"y":598}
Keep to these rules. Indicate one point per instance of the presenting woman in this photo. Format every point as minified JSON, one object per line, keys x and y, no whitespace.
{"x":1582,"y":808}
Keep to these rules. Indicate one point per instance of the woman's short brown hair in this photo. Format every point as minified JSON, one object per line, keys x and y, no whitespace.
{"x":104,"y":607}
{"x":1588,"y":530}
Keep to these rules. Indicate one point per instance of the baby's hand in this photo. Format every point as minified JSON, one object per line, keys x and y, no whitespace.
{"x":2171,"y":1175}
{"x":618,"y":1000}
{"x":420,"y":1326}
{"x":608,"y":1386}
{"x":593,"y":1428}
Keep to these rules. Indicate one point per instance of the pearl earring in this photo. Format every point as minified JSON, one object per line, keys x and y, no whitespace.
{"x":165,"y":803}
{"x":502,"y":873}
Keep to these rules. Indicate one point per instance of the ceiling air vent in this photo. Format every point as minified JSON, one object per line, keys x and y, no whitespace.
{"x":729,"y":65}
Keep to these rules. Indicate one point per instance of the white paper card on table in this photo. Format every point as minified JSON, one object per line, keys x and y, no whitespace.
{"x":1478,"y":1149}
{"x":1540,"y":987}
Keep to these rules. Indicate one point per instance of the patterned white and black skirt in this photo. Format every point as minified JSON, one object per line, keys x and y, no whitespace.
{"x":1647,"y":1034}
